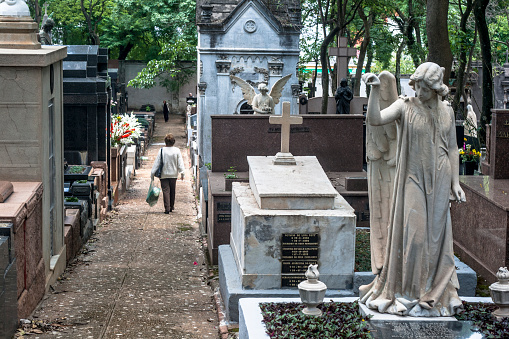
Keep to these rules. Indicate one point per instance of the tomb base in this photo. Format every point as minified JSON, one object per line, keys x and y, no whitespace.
{"x":272,"y":248}
{"x":231,"y":289}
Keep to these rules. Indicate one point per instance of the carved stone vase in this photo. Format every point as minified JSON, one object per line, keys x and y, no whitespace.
{"x":499,"y":292}
{"x":312,"y":291}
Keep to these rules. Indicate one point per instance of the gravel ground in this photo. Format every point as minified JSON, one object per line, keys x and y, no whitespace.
{"x":142,"y":274}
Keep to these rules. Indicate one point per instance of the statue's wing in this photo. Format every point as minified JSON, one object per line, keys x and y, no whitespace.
{"x":381,"y":144}
{"x":247,"y":90}
{"x":277,"y":89}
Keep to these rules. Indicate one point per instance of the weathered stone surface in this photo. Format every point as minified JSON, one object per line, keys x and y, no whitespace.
{"x":6,"y":190}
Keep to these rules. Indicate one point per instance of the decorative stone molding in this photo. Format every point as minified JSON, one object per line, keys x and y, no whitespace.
{"x":250,"y":26}
{"x":223,"y":57}
{"x":275,"y":68}
{"x":263,"y":71}
{"x":236,"y":70}
{"x":223,"y":66}
{"x":206,"y":13}
{"x":201,"y":68}
{"x":202,"y":86}
{"x":295,"y":90}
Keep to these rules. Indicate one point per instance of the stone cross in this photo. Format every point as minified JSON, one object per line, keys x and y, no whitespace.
{"x":45,"y":8}
{"x":342,"y":53}
{"x":285,"y":120}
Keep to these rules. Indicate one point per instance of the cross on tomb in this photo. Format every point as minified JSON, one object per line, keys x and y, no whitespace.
{"x":285,"y":120}
{"x":342,"y":53}
{"x":45,"y":8}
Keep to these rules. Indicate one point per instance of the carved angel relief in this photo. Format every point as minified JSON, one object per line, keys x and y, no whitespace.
{"x":262,"y":103}
{"x":381,"y":145}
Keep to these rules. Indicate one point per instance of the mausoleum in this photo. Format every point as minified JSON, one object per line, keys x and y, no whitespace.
{"x":255,"y":40}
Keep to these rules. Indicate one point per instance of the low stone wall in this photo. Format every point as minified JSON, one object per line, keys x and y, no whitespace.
{"x":336,"y":140}
{"x":24,"y":210}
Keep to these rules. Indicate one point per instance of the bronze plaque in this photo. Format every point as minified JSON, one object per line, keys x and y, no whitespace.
{"x":298,"y":251}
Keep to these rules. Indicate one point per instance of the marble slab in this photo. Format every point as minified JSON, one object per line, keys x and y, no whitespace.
{"x":303,"y":186}
{"x":257,"y":233}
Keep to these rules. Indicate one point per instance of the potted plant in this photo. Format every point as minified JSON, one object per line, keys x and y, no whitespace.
{"x":470,"y":158}
{"x":76,"y":172}
{"x":230,"y":177}
{"x":81,"y":188}
{"x":123,"y":129}
{"x":73,"y":203}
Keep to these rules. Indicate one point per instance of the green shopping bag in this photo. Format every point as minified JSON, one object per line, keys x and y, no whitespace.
{"x":153,"y":194}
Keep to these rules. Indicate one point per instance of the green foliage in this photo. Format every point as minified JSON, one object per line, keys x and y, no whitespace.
{"x":362,"y":251}
{"x":76,"y":169}
{"x":71,"y":199}
{"x":480,"y":314}
{"x":70,"y":23}
{"x":339,"y":320}
{"x":231,"y":173}
{"x":171,"y":71}
{"x":138,"y":30}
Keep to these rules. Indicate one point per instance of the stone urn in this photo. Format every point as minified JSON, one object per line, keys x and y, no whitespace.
{"x":312,"y":291}
{"x":499,"y":292}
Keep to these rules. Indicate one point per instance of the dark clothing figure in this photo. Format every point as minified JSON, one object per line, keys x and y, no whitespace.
{"x":343,"y":97}
{"x":45,"y":32}
{"x":166,"y":111}
{"x":168,"y":187}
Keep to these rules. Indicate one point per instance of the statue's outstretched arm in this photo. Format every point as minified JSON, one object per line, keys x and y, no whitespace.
{"x":375,"y":116}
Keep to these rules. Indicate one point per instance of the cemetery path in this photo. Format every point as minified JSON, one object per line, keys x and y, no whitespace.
{"x":143,"y":273}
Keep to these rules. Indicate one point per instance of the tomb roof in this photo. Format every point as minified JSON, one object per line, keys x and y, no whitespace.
{"x":214,"y":13}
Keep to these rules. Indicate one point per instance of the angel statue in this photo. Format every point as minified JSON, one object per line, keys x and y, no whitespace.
{"x":262,"y":103}
{"x":413,"y":172}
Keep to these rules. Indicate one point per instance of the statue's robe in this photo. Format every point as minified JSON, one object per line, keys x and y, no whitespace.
{"x":418,"y":277}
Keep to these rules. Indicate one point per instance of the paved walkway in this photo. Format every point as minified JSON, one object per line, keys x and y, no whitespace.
{"x":143,"y":273}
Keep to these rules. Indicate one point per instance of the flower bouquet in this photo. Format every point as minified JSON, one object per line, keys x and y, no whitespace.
{"x":124,"y":128}
{"x":468,"y":154}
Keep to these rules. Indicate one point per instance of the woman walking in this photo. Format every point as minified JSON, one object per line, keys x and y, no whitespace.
{"x":172,"y":166}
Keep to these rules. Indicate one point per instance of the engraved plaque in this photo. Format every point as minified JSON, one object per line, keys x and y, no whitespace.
{"x":292,"y":280}
{"x":224,"y":206}
{"x":224,"y":217}
{"x":298,"y":251}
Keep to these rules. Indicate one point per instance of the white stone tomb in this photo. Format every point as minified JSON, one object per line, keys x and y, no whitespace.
{"x":283,"y":200}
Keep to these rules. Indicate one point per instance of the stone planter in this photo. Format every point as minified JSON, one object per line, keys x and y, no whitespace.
{"x":71,"y":175}
{"x":81,"y":189}
{"x":228,"y":182}
{"x":73,"y":205}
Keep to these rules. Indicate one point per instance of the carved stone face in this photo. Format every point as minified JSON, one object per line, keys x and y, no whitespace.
{"x":263,"y":88}
{"x":423,"y":92}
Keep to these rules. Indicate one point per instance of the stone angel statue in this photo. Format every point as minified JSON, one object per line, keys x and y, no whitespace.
{"x":416,"y":275}
{"x":262,"y":103}
{"x":381,"y":147}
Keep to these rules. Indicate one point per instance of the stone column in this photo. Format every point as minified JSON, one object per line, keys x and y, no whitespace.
{"x":31,"y":111}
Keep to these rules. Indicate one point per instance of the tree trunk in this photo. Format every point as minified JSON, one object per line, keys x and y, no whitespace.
{"x":325,"y":74}
{"x":487,"y":80}
{"x":124,"y":51}
{"x":438,"y":35}
{"x":460,"y":76}
{"x":368,"y":21}
{"x":397,"y":74}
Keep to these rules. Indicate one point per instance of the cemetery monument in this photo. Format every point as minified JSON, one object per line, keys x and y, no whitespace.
{"x":262,"y":103}
{"x":254,"y":40}
{"x":418,"y":275}
{"x":288,"y":217}
{"x":32,"y":152}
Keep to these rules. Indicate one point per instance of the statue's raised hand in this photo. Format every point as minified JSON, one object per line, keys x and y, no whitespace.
{"x":371,"y":79}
